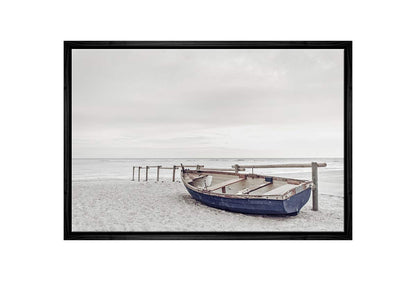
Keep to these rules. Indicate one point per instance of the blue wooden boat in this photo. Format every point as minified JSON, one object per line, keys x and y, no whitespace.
{"x":247,"y":193}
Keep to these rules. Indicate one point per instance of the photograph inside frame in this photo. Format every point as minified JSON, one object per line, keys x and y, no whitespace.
{"x":181,"y":140}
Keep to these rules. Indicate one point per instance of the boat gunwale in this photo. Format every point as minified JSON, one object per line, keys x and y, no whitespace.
{"x":301,"y":186}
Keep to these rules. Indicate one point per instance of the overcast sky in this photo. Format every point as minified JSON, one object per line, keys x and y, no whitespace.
{"x":207,"y":103}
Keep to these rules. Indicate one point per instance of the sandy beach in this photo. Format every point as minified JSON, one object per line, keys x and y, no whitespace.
{"x":124,"y":205}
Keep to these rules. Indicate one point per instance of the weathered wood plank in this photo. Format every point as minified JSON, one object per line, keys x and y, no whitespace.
{"x":225,"y":183}
{"x":250,"y":189}
{"x":197,"y":178}
{"x":280,"y":166}
{"x":179,"y":166}
{"x":280,"y":190}
{"x":219,"y":169}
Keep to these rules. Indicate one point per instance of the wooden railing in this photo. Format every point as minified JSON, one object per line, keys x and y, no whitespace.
{"x":158,"y":169}
{"x":237,"y":168}
{"x":313,"y":165}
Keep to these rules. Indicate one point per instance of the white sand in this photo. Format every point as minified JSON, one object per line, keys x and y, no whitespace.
{"x":123,"y":205}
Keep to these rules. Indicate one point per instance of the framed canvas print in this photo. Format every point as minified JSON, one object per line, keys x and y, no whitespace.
{"x":208,"y":140}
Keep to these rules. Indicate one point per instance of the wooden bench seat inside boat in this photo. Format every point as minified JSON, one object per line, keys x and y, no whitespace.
{"x":280,"y":190}
{"x":224,"y":183}
{"x":250,"y":189}
{"x":190,"y":179}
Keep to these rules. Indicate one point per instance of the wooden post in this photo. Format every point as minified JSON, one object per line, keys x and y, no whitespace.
{"x":139,"y":174}
{"x":133,"y":174}
{"x":158,"y":168}
{"x":223,"y":189}
{"x":174,"y":169}
{"x":147,"y":172}
{"x":315,"y":186}
{"x":236,"y":168}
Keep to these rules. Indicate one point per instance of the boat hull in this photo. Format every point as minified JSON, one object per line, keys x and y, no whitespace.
{"x":287,"y":207}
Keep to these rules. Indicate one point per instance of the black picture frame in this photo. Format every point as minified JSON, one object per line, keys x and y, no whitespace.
{"x":344,"y":45}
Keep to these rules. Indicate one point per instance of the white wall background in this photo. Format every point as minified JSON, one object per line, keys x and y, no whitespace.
{"x":31,"y":65}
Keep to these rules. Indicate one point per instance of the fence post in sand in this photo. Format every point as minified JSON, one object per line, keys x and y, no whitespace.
{"x":315,"y":186}
{"x":174,"y":169}
{"x":236,"y":168}
{"x":158,"y":168}
{"x":147,"y":172}
{"x":138,"y":174}
{"x":133,"y":174}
